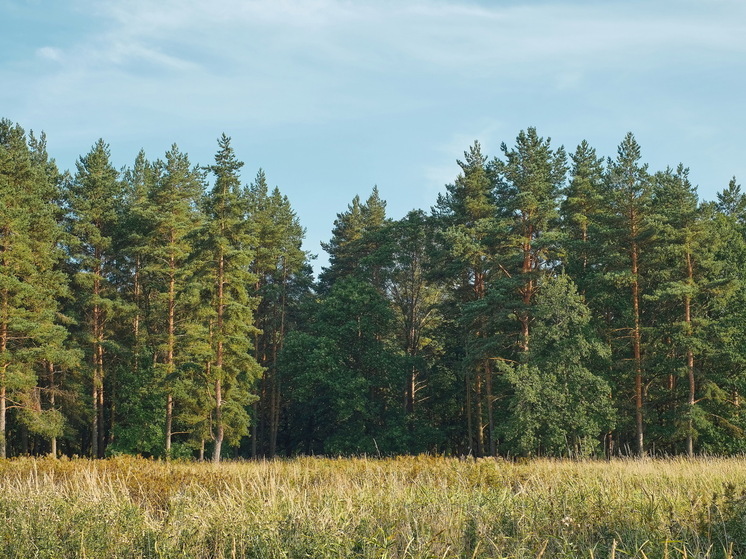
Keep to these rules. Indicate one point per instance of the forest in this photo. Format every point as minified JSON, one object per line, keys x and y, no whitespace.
{"x":549,"y":303}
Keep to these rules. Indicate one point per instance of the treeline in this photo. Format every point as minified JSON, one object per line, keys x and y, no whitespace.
{"x":546,"y":305}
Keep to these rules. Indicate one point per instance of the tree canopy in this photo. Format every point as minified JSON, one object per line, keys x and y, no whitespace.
{"x":545,"y":305}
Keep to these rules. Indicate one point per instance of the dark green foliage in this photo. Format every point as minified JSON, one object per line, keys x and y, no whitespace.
{"x":346,"y":385}
{"x":169,"y":310}
{"x":278,"y":267}
{"x":559,"y":406}
{"x":32,"y":286}
{"x":225,"y":250}
{"x":353,"y":241}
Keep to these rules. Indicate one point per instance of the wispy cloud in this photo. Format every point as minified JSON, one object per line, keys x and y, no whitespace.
{"x":289,"y":64}
{"x":49,"y":53}
{"x":459,"y":36}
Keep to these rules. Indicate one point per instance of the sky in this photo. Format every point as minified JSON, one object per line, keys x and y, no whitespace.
{"x":332,"y":97}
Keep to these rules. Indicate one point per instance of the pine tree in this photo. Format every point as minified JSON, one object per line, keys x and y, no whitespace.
{"x":466,"y":215}
{"x":94,"y":196}
{"x":406,"y":249}
{"x":629,"y":232}
{"x":530,"y":181}
{"x":31,"y":285}
{"x":168,"y":266}
{"x":353,"y":243}
{"x":580,"y":211}
{"x":278,"y":259}
{"x":137,"y":426}
{"x":732,"y":202}
{"x":225,"y":252}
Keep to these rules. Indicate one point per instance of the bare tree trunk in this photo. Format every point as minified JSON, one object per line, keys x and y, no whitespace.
{"x":480,"y":414}
{"x":101,"y":421}
{"x":169,"y":422}
{"x":254,"y":430}
{"x":490,"y":414}
{"x":97,"y":327}
{"x":527,"y":291}
{"x":95,"y":427}
{"x":3,"y":379}
{"x":52,"y":401}
{"x":3,"y":414}
{"x":469,"y":413}
{"x":637,"y":350}
{"x":259,"y":404}
{"x":274,"y":402}
{"x":170,"y":368}
{"x":690,"y":361}
{"x":219,"y":428}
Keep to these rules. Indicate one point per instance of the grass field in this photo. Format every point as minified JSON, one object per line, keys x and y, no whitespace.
{"x":416,"y":507}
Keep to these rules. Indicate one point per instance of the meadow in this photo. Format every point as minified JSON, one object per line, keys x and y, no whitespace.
{"x":410,"y":507}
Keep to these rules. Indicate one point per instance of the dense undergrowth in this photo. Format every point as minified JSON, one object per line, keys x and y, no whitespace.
{"x":414,"y":507}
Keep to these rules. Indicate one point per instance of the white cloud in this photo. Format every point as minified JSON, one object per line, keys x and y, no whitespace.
{"x":49,"y":53}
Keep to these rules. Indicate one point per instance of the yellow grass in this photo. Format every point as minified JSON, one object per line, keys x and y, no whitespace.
{"x":413,"y":507}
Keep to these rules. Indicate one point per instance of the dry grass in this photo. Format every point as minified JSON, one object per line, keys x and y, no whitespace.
{"x":414,"y":507}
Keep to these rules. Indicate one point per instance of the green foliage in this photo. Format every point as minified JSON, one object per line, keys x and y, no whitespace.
{"x":225,"y":249}
{"x":346,"y":383}
{"x":154,"y":311}
{"x":32,"y":285}
{"x":353,"y":241}
{"x":560,"y":407}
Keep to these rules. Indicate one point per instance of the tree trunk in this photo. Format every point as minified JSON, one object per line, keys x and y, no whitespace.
{"x":259,"y":405}
{"x":3,"y":378}
{"x":637,"y":351}
{"x":3,"y":414}
{"x":169,"y":422}
{"x":690,"y":362}
{"x":480,"y":412}
{"x":219,"y":429}
{"x":52,"y":402}
{"x":94,"y":389}
{"x":97,"y":429}
{"x":469,"y":413}
{"x":490,"y":414}
{"x":170,"y":368}
{"x":254,"y":430}
{"x":527,"y":290}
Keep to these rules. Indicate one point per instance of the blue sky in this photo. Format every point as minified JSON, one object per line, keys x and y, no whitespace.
{"x":332,"y":97}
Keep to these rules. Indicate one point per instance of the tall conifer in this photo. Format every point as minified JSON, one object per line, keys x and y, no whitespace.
{"x":225,"y":252}
{"x":94,"y":196}
{"x":31,"y":284}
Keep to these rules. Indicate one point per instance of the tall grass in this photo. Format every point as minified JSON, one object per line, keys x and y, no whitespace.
{"x":415,"y":507}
